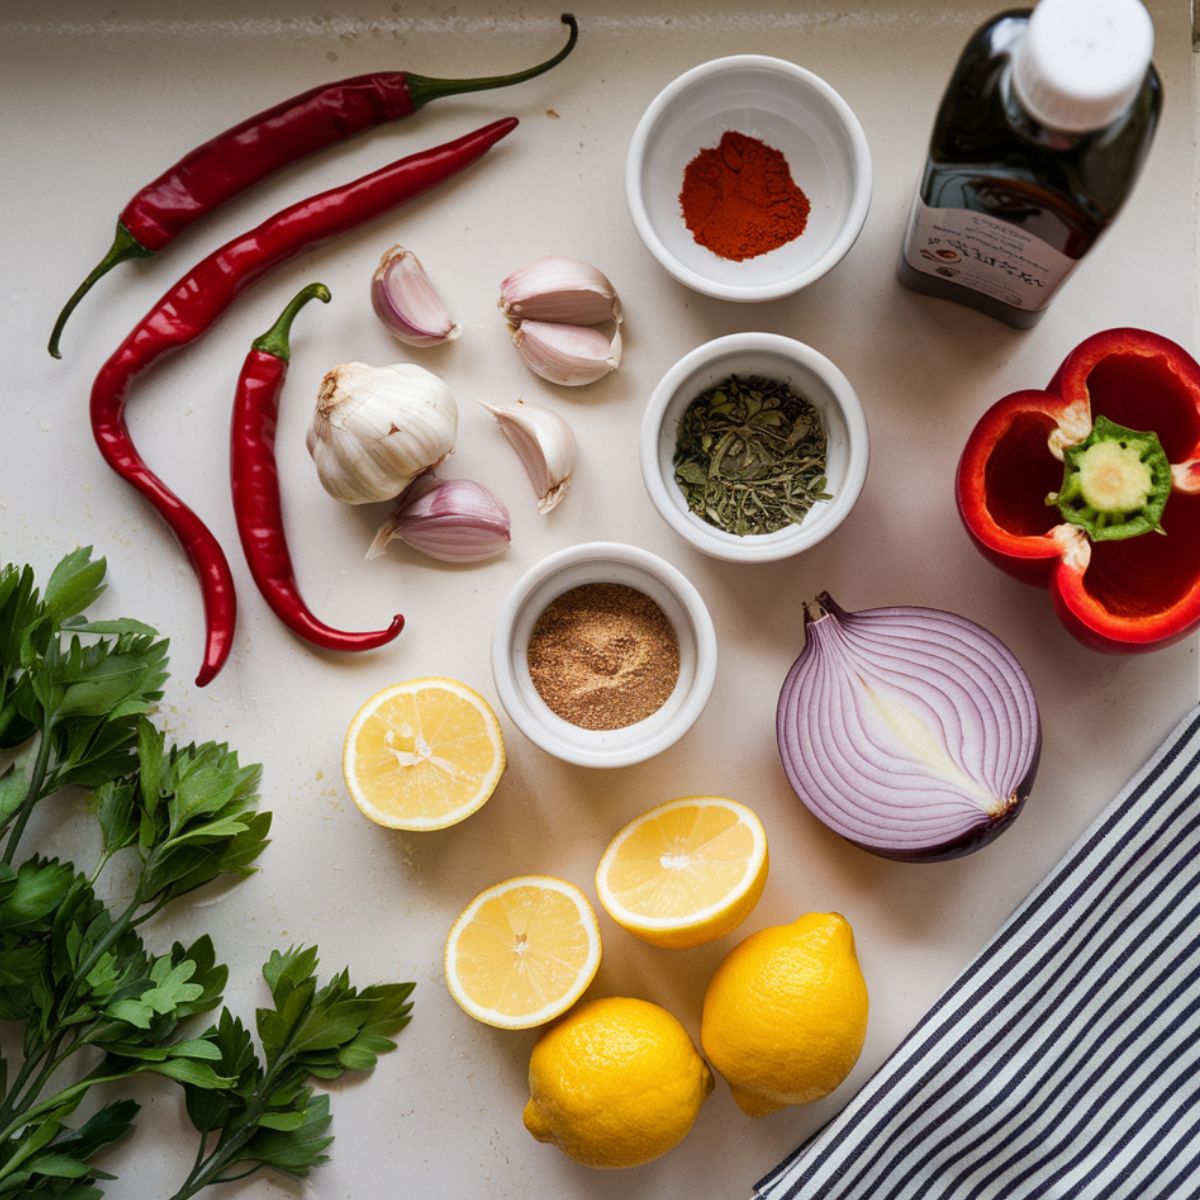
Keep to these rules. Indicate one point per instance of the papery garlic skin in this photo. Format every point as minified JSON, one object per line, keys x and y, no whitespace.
{"x":559,"y":289}
{"x":454,"y":520}
{"x":406,"y":301}
{"x":571,"y":355}
{"x":375,"y":429}
{"x":546,"y":446}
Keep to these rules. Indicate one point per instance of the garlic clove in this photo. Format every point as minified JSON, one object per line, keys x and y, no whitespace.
{"x":454,"y":520}
{"x":559,"y":289}
{"x":571,"y":355}
{"x":544,"y":443}
{"x":406,"y":302}
{"x":375,"y":429}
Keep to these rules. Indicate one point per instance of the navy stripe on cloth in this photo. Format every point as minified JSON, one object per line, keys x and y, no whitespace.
{"x":1063,"y":1063}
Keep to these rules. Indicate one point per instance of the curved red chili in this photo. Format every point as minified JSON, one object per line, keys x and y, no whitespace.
{"x":247,"y":153}
{"x":202,"y":295}
{"x":255,"y":481}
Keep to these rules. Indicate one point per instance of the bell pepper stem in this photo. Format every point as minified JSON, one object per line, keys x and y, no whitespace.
{"x":125,"y":247}
{"x":275,"y":340}
{"x":1116,"y":482}
{"x":422,"y":89}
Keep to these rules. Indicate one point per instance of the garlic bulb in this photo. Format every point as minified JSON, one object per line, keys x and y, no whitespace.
{"x":376,"y":429}
{"x":571,"y":355}
{"x":455,"y":520}
{"x":545,"y":445}
{"x":406,"y":302}
{"x":559,"y":289}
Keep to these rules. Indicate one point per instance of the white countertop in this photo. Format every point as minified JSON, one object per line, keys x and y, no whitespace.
{"x":99,"y":99}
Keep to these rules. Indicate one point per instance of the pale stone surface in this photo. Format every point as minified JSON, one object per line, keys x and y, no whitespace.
{"x":97,"y":101}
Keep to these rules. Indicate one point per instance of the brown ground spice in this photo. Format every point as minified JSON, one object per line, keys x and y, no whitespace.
{"x":603,"y":656}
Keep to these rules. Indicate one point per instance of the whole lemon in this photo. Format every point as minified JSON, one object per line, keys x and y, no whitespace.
{"x":785,"y":1013}
{"x":615,"y":1083}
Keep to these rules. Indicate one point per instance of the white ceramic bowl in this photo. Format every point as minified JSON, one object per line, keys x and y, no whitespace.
{"x":789,"y":108}
{"x":604,"y":562}
{"x":809,"y":374}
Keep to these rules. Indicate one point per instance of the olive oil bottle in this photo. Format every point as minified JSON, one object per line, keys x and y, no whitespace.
{"x":1039,"y":139}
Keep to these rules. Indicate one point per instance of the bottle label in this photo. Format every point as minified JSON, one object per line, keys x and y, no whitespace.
{"x":985,"y":254}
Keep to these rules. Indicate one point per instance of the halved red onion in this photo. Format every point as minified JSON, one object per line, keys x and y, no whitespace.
{"x":912,"y":732}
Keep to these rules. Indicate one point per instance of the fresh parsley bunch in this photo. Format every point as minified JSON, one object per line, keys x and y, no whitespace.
{"x":74,"y":695}
{"x":268,"y":1116}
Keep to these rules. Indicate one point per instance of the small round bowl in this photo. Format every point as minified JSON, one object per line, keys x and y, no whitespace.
{"x":604,"y":562}
{"x":785,"y":106}
{"x":809,"y":374}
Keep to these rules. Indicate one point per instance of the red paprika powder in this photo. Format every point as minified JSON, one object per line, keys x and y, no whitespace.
{"x":739,"y":199}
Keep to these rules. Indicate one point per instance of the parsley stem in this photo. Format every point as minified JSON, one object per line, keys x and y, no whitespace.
{"x":199,"y":1153}
{"x":208,"y":1170}
{"x":10,"y":1102}
{"x":233,"y":1138}
{"x":34,"y":793}
{"x":19,"y":1103}
{"x":240,"y":1175}
{"x":114,"y":934}
{"x":14,"y":1102}
{"x":105,"y":859}
{"x":152,"y":911}
{"x":55,"y":1101}
{"x":197,"y":1164}
{"x":237,"y":1133}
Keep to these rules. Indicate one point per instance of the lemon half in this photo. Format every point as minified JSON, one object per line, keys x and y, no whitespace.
{"x":423,"y":754}
{"x":686,"y":872}
{"x":522,"y":952}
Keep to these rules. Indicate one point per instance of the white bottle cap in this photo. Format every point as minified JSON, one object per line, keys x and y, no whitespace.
{"x":1080,"y":63}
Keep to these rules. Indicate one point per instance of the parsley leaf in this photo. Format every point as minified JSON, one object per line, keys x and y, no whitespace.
{"x":50,"y":1155}
{"x":269,"y":1117}
{"x":198,"y":822}
{"x":69,"y":696}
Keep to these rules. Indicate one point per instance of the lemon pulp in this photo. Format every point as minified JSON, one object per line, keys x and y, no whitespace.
{"x":423,"y":754}
{"x":522,"y":952}
{"x":685,"y":872}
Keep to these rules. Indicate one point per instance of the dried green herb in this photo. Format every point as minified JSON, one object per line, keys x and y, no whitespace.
{"x":750,"y":456}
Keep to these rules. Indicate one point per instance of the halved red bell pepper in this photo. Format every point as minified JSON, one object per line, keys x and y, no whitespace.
{"x":1046,"y":506}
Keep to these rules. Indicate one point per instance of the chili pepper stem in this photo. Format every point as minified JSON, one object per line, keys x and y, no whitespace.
{"x":125,"y":247}
{"x":275,"y":340}
{"x":422,"y":89}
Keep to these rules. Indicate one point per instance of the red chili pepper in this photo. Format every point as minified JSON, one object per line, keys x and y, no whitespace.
{"x":255,"y":481}
{"x":1073,"y":488}
{"x":268,"y":141}
{"x":202,"y":295}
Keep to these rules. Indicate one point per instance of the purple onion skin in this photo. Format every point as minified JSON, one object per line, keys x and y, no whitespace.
{"x":978,"y":836}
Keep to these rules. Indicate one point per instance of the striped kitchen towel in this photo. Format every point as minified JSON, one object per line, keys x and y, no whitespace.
{"x":1064,"y":1062}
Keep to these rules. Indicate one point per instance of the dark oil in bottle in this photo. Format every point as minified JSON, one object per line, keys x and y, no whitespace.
{"x":1055,"y":192}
